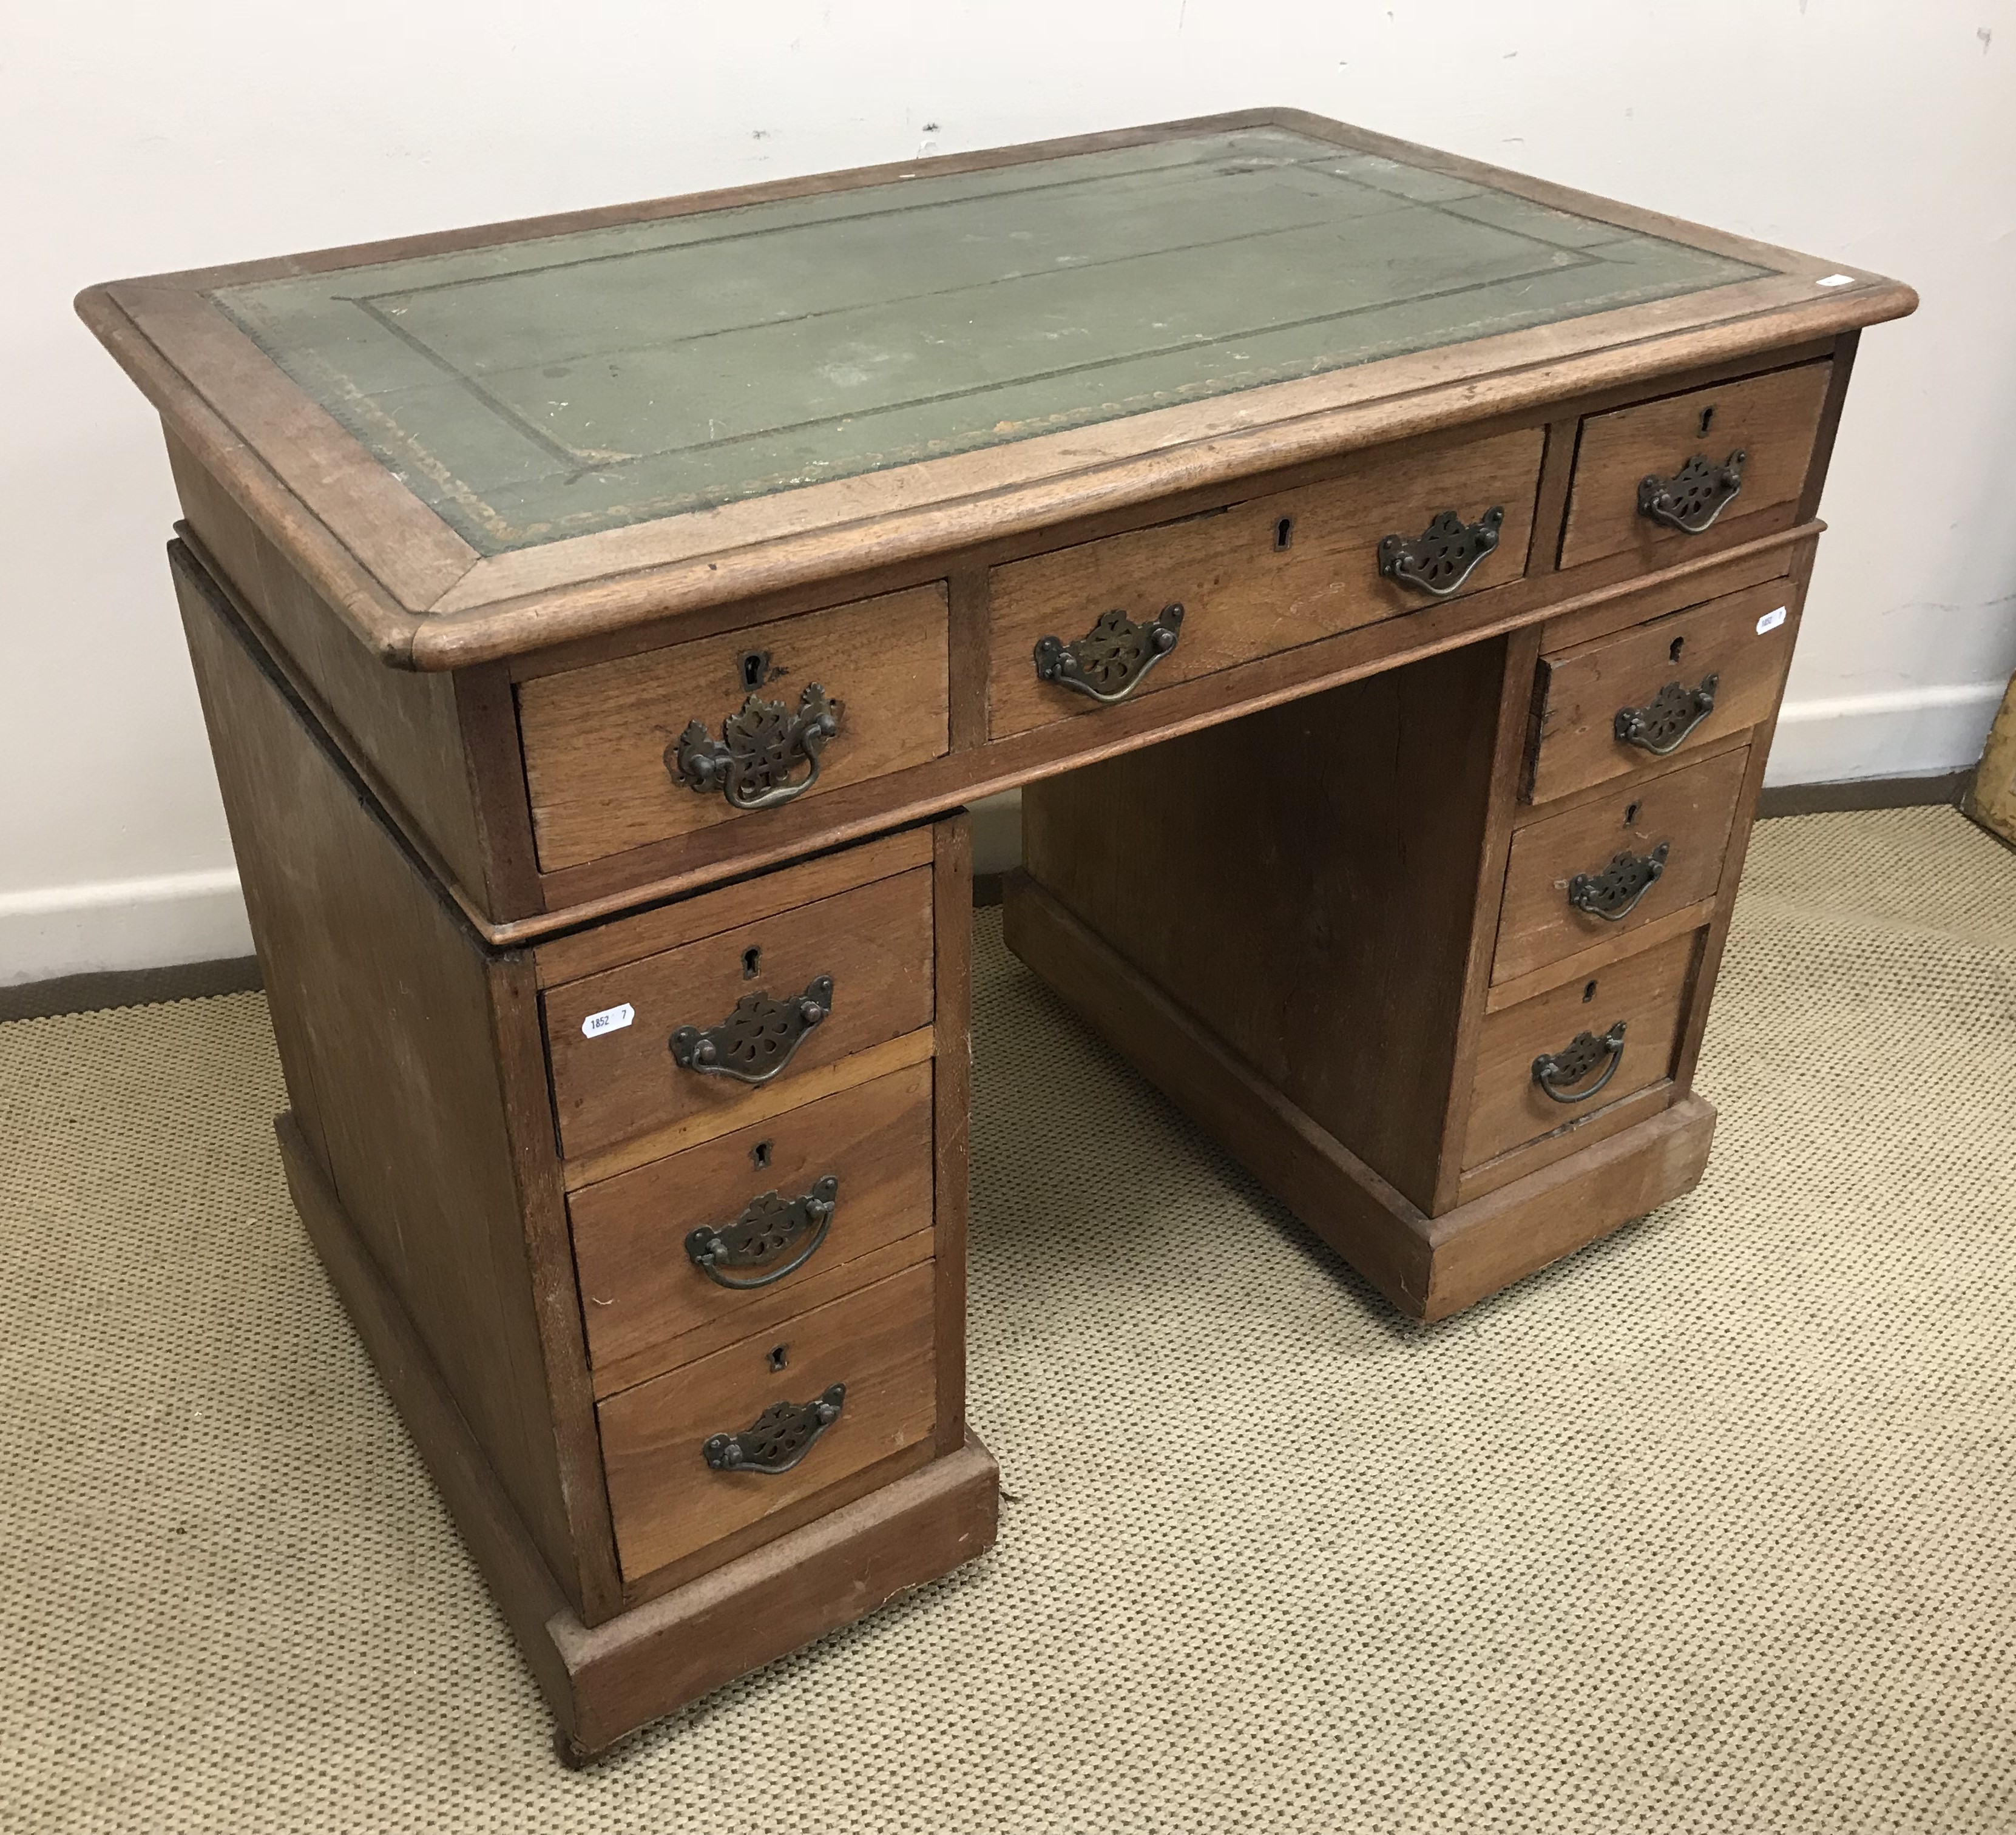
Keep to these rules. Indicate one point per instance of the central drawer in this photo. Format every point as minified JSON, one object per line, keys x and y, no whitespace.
{"x":1268,"y":574}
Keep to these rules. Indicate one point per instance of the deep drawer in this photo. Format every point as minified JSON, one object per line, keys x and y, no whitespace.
{"x":664,"y":1497}
{"x":615,"y":1081}
{"x":862,"y":1156}
{"x":1268,"y":574}
{"x":601,"y":742}
{"x":1646,"y":993}
{"x":1609,"y":866}
{"x":1770,"y":420}
{"x":1649,"y":682}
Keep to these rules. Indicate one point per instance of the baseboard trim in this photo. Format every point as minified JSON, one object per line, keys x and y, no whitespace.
{"x":1865,"y":793}
{"x":102,"y":988}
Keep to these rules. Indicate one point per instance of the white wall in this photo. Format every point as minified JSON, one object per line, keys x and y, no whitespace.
{"x":135,"y":137}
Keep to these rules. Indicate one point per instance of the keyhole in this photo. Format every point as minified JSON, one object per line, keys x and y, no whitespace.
{"x":779,"y":1355}
{"x":1630,"y":815}
{"x":1588,"y":994}
{"x":759,"y":1155}
{"x":752,"y":959}
{"x":1284,"y":533}
{"x":1674,"y":648}
{"x":1708,"y":414}
{"x":755,"y":668}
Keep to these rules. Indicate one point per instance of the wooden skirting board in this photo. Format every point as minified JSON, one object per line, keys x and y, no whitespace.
{"x":603,"y":1682}
{"x":1428,"y":1267}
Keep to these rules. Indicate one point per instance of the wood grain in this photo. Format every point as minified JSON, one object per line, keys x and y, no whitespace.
{"x":1688,"y":812}
{"x":1244,"y":595}
{"x":385,"y":1008}
{"x":641,"y":1292}
{"x":1428,"y":1268}
{"x":1583,"y":689}
{"x":617,"y":941}
{"x":1648,"y":991}
{"x":1304,"y":881}
{"x":595,"y":739}
{"x":1486,"y":1244}
{"x":666,"y":1501}
{"x":1773,"y":419}
{"x":874,"y":942}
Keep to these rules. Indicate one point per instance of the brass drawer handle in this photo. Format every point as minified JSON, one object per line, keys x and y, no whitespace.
{"x":1614,"y":893}
{"x":758,"y":1039}
{"x":779,"y":1436}
{"x":1694,"y":496}
{"x":1443,"y":556}
{"x":1112,"y":658}
{"x":1555,"y":1070}
{"x":759,"y":748}
{"x":1662,"y":724}
{"x":769,"y":1228}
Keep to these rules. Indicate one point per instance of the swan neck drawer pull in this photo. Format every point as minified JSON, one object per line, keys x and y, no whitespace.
{"x":1614,"y":893}
{"x":1112,"y":658}
{"x":1556,"y":1071}
{"x":779,"y":1437}
{"x":774,"y":1235}
{"x":1662,"y":724}
{"x":1439,"y":559}
{"x":758,"y":1039}
{"x":751,"y":764}
{"x":1697,"y":494}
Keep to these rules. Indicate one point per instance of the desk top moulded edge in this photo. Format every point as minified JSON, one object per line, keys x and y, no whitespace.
{"x":420,"y":597}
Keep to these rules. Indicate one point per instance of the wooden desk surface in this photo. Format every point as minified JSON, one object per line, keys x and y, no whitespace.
{"x":485,"y":442}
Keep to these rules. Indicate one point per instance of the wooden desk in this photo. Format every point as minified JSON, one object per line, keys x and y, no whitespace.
{"x":1380,"y":570}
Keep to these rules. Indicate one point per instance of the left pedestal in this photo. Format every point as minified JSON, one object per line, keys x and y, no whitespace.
{"x":684,"y":1353}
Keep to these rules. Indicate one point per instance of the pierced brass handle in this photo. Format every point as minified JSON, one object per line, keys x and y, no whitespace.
{"x":1112,"y":658}
{"x":1614,"y":892}
{"x":1442,"y":556}
{"x":1662,"y":724}
{"x":779,"y":1437}
{"x":759,"y":748}
{"x":1694,"y":496}
{"x":770,"y":1227}
{"x":1555,"y":1070}
{"x":756,"y":1040}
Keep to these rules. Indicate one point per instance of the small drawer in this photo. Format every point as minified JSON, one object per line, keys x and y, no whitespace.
{"x":1636,"y":853}
{"x":1592,"y":1065}
{"x":613,"y":1038}
{"x":1615,"y":706}
{"x":667,"y":1498}
{"x":753,"y":1226}
{"x":1259,"y":577}
{"x":601,"y":743}
{"x":1757,"y":433}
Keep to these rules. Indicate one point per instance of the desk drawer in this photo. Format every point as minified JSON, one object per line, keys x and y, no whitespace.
{"x":1654,"y":682}
{"x":1771,"y":421}
{"x":1636,"y":853}
{"x":1265,"y":575}
{"x":667,"y":1499}
{"x":612,"y":1083}
{"x":863,"y":1158}
{"x":1646,"y":993}
{"x":601,"y":743}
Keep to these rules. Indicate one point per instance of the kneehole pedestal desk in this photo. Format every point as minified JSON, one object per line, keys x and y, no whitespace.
{"x":1380,"y":570}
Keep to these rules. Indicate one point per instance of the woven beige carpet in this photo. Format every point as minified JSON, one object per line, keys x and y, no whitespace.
{"x":1710,"y":1528}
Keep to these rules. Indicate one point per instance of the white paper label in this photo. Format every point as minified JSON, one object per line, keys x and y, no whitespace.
{"x":1770,"y":621}
{"x":1835,"y":280}
{"x":613,"y":1019}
